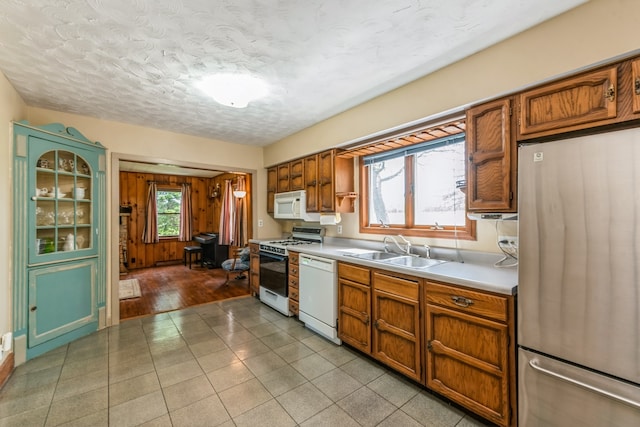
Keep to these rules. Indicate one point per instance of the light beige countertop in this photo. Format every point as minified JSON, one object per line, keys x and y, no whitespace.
{"x":477,"y":270}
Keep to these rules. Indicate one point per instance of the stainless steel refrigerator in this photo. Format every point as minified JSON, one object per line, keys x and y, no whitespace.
{"x":579,"y":281}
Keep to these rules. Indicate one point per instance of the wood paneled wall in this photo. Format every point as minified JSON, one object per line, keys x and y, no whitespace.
{"x":206,"y":214}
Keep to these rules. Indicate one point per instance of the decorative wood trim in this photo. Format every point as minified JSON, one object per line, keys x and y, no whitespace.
{"x":6,"y":369}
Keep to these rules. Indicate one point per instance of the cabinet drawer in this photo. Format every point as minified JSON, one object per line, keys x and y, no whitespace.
{"x":294,"y":294}
{"x":353,"y":273}
{"x":294,"y":307}
{"x":482,"y":304}
{"x":293,"y":282}
{"x":396,"y":285}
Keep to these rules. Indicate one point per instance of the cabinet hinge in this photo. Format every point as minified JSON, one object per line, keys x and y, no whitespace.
{"x":510,"y":195}
{"x":511,"y":111}
{"x":429,"y":345}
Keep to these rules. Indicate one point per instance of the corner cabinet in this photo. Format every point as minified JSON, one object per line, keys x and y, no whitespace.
{"x":492,"y":157}
{"x":59,"y":237}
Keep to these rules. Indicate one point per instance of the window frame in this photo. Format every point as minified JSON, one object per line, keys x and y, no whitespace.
{"x":466,"y":232}
{"x":168,"y":189}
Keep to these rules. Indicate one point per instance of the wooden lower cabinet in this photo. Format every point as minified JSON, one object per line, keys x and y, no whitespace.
{"x":254,"y":268}
{"x":354,"y":306}
{"x":470,"y":350}
{"x":396,"y":323}
{"x":294,"y":288}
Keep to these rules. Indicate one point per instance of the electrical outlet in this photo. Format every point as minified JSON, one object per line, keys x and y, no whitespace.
{"x":339,"y":229}
{"x":260,"y":223}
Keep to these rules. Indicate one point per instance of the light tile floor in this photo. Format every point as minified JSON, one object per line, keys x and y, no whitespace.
{"x":231,"y":363}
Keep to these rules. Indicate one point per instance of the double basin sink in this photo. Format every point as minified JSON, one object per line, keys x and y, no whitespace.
{"x":391,"y":258}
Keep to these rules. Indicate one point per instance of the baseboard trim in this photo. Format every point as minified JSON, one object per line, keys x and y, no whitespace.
{"x":6,"y":369}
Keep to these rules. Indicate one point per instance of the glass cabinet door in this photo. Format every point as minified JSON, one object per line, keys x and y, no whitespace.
{"x":63,"y":209}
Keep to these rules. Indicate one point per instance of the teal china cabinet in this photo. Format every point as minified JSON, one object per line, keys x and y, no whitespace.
{"x":59,"y":237}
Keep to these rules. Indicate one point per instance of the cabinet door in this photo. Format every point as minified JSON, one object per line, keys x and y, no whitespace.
{"x":396,"y":324}
{"x":62,"y":299}
{"x":254,"y":268}
{"x":467,"y":361}
{"x":296,"y":174}
{"x":491,"y":151}
{"x":272,"y":188}
{"x":354,"y":306}
{"x":327,"y":198}
{"x":576,"y":103}
{"x":635,"y":73}
{"x":311,"y":182}
{"x":283,"y":178}
{"x":61,"y":213}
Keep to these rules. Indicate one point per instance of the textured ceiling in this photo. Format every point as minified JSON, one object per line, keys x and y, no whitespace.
{"x":137,"y":61}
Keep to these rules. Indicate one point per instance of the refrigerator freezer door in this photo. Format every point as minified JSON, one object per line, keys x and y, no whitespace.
{"x":579,"y":240}
{"x":558,"y":394}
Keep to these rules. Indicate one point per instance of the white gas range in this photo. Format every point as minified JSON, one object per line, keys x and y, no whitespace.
{"x":274,"y":266}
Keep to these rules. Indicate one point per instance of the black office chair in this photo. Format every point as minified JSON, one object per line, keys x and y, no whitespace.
{"x":238,"y":263}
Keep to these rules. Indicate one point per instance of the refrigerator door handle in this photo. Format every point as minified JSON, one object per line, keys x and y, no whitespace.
{"x":534,"y":364}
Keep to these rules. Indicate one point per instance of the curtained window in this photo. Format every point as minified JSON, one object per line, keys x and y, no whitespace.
{"x":186,"y":227}
{"x":150,"y":232}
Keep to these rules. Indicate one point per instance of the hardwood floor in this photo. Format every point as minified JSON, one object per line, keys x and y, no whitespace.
{"x":175,"y":287}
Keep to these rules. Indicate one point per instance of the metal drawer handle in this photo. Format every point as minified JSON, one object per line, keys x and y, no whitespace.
{"x":461,"y":301}
{"x":533,"y":363}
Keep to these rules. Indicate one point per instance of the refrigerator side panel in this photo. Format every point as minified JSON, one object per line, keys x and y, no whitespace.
{"x":560,"y":395}
{"x":579,"y":239}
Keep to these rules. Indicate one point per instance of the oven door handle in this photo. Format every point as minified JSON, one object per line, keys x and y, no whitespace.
{"x":273,"y":256}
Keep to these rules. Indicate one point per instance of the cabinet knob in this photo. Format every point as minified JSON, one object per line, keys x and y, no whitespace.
{"x":34,"y":308}
{"x":610,"y":94}
{"x":636,"y":85}
{"x":34,"y":198}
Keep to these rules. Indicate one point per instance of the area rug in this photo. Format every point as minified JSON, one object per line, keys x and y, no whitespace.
{"x":129,"y":289}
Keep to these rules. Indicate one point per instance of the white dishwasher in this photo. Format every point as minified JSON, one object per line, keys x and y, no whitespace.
{"x":318,"y":295}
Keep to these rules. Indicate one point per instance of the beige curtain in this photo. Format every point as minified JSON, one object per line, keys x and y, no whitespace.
{"x":186,"y":227}
{"x":240,"y":231}
{"x":150,"y":232}
{"x":227,"y":217}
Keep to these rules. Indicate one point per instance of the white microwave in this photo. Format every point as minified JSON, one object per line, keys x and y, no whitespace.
{"x":293,"y":205}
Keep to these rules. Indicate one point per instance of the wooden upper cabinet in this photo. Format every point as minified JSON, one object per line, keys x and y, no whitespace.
{"x":272,"y":187}
{"x":296,"y":175}
{"x":492,"y":157}
{"x":326,"y":181}
{"x":635,"y":82}
{"x":283,"y":178}
{"x":311,"y":182}
{"x":580,"y":102}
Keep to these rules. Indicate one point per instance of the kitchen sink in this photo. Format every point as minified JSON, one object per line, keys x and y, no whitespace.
{"x":413,"y":262}
{"x":375,"y":255}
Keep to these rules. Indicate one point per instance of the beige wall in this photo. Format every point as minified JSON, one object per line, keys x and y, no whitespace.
{"x":591,"y":33}
{"x":11,"y":108}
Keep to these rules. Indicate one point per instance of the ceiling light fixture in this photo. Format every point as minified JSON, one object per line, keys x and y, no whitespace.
{"x":233,"y":90}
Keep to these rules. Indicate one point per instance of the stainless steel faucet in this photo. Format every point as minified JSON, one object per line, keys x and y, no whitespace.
{"x":427,"y":250}
{"x":406,"y":250}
